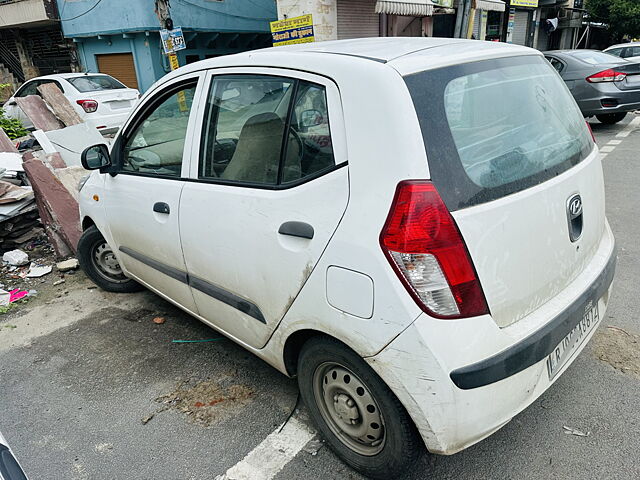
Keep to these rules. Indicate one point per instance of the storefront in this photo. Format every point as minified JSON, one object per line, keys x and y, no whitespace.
{"x":523,"y":21}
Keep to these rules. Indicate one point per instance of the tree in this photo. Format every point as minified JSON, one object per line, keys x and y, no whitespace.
{"x":622,"y":16}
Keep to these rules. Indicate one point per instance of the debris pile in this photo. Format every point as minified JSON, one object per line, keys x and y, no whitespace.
{"x":40,"y":173}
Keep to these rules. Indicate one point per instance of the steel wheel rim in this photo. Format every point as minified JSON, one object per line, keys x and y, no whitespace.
{"x":349,"y":409}
{"x":106,"y":263}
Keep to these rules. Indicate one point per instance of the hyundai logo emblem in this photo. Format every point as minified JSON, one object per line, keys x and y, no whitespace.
{"x":575,"y":206}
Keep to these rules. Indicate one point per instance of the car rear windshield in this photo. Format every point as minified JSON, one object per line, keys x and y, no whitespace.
{"x":94,"y":83}
{"x":496,"y":127}
{"x":596,"y":58}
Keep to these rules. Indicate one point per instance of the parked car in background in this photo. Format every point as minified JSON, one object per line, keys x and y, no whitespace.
{"x":426,"y":257}
{"x":604,"y":86}
{"x":100,"y":100}
{"x":9,"y":467}
{"x":628,"y":51}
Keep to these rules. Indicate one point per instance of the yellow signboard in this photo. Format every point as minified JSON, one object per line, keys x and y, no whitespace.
{"x":524,"y":3}
{"x":292,"y":30}
{"x":173,"y":61}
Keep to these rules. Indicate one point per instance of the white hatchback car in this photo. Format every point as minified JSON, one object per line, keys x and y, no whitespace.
{"x":100,"y":100}
{"x":628,"y":51}
{"x":413,"y":227}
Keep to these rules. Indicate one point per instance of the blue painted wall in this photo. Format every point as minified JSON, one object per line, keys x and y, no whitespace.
{"x":131,"y":26}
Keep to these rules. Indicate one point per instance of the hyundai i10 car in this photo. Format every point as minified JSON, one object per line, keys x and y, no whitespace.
{"x":413,"y":227}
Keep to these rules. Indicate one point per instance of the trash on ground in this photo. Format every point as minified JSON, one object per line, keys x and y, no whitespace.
{"x":36,"y":271}
{"x":313,"y":446}
{"x":5,"y":298}
{"x":65,"y":266}
{"x":146,"y":419}
{"x":58,"y":282}
{"x":576,"y":432}
{"x":17,"y":294}
{"x":159,"y":320}
{"x":16,"y":258}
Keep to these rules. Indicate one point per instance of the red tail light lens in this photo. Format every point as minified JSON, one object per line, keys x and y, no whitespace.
{"x":88,"y":106}
{"x":425,"y":248}
{"x":591,"y":132}
{"x":608,"y":75}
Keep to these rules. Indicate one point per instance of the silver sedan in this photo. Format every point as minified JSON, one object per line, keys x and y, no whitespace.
{"x":603,"y":85}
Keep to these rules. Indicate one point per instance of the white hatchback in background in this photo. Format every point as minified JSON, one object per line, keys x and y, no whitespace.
{"x":628,"y":51}
{"x":414,"y":227}
{"x":10,"y":469}
{"x":100,"y":100}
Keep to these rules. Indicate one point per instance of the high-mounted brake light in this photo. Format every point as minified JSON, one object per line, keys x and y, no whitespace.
{"x":608,"y":75}
{"x":88,"y":106}
{"x":423,"y":244}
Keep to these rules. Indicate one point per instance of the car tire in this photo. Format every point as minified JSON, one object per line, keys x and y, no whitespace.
{"x":100,"y":264}
{"x":611,"y":118}
{"x":349,"y":403}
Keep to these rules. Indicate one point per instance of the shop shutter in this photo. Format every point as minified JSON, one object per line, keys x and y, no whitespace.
{"x":357,"y":18}
{"x":521,"y":27}
{"x":120,"y":66}
{"x":476,"y":25}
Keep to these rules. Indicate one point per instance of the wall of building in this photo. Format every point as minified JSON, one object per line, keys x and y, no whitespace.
{"x":324,"y":15}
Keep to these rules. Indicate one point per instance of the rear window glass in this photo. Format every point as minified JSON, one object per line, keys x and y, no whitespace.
{"x":596,"y":58}
{"x":94,"y":83}
{"x":496,"y":127}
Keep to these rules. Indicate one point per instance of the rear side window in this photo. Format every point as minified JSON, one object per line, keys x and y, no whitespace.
{"x":615,"y":51}
{"x":595,"y":58}
{"x":482,"y":147}
{"x":94,"y":83}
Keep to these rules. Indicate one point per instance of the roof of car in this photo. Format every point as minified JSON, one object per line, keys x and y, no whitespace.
{"x":622,"y":45}
{"x":57,"y":76}
{"x":376,"y":49}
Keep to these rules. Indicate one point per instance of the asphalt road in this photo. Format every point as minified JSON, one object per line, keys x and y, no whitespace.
{"x":91,"y":388}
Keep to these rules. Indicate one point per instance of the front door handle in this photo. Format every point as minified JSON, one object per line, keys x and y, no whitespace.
{"x":296,"y":229}
{"x":161,"y":207}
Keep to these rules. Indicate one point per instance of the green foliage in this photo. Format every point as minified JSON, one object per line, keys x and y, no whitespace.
{"x":12,"y":126}
{"x":622,"y":16}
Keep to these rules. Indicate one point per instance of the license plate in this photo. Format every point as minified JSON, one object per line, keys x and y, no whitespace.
{"x":567,"y":347}
{"x":633,"y":80}
{"x":118,"y":104}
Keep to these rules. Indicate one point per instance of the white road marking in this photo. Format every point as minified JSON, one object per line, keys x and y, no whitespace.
{"x":267,"y":459}
{"x":607,"y":149}
{"x":614,"y":142}
{"x":627,"y":130}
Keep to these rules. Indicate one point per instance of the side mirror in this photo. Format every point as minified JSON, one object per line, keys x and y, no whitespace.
{"x":310,"y":118}
{"x":96,"y":157}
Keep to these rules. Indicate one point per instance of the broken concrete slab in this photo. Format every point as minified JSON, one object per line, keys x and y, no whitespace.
{"x":67,"y":265}
{"x":71,"y":141}
{"x":58,"y":209}
{"x":60,"y":104}
{"x":70,"y":178}
{"x":42,"y":118}
{"x":6,"y":144}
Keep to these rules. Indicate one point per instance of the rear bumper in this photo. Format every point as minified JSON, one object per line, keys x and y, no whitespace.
{"x":461,"y":380}
{"x":536,"y":346}
{"x":107,"y":123}
{"x":625,"y":100}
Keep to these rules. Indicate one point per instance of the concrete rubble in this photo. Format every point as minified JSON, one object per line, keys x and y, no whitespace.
{"x":39,"y":174}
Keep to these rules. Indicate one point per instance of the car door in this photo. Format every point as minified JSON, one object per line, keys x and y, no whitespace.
{"x":142,"y":199}
{"x":268,"y":192}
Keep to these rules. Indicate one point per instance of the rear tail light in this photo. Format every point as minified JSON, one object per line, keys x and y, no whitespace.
{"x":608,"y":75}
{"x":591,"y":132}
{"x":424,"y":246}
{"x":88,"y":106}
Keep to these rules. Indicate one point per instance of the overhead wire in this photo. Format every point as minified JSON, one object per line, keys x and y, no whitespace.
{"x":82,"y":14}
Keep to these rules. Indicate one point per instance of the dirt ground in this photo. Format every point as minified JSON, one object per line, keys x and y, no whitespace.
{"x":618,"y":348}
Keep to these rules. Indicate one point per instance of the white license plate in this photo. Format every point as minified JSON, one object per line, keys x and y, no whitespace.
{"x":118,"y":104}
{"x":633,"y":80}
{"x":567,"y":347}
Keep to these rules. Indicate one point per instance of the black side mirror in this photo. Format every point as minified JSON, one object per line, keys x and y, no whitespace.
{"x":96,"y":157}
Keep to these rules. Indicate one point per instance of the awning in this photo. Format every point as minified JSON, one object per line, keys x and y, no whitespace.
{"x":490,"y":5}
{"x":411,"y":8}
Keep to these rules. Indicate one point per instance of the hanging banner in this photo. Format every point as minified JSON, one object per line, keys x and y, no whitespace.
{"x":524,"y":3}
{"x":172,"y":40}
{"x":292,"y":30}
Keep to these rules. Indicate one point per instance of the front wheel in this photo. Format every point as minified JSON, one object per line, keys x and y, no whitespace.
{"x":362,"y":420}
{"x":611,"y":118}
{"x":100,"y":264}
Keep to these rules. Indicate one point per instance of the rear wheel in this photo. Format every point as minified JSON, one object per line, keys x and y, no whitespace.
{"x":611,"y":118}
{"x":362,"y":420}
{"x":100,"y":264}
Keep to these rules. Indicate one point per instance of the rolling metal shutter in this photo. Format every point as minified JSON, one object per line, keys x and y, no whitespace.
{"x":521,"y":27}
{"x":357,"y":18}
{"x":120,"y":66}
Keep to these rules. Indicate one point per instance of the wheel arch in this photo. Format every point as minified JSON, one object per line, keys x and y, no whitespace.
{"x":294,"y":344}
{"x":87,"y":222}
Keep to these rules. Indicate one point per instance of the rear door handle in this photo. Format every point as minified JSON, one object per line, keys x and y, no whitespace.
{"x":296,"y":229}
{"x":161,"y":207}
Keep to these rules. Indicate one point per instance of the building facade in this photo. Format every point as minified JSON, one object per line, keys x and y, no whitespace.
{"x":31,"y":41}
{"x":121,"y":37}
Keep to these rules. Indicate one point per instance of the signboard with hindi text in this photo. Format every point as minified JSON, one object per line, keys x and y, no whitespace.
{"x":292,"y":30}
{"x":524,"y":3}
